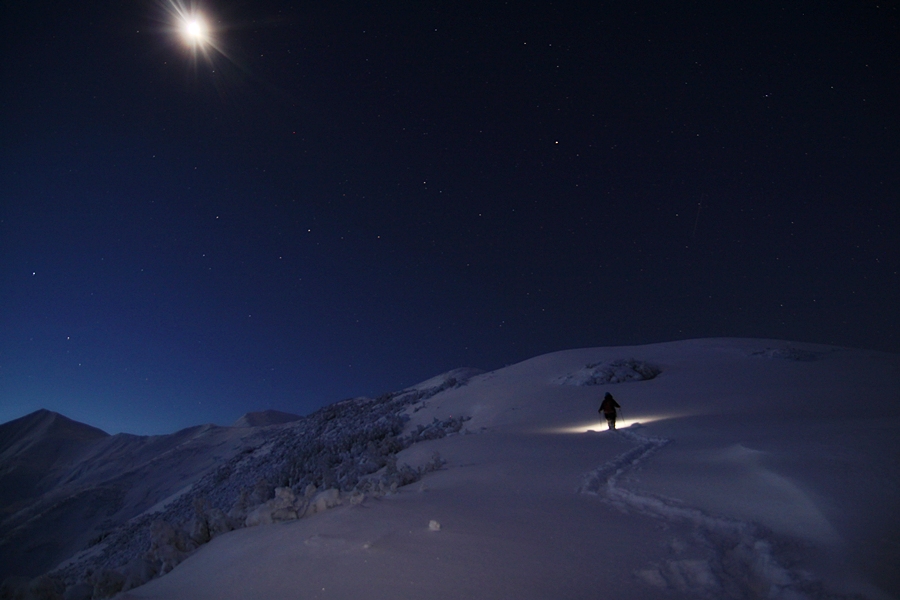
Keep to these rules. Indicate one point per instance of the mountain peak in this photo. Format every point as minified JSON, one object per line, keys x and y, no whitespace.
{"x":32,"y":448}
{"x":21,"y":433}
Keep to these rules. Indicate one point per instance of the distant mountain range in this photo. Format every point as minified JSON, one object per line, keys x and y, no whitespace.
{"x":65,"y":483}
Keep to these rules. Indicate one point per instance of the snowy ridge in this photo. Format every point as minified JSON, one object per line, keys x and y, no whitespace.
{"x":745,"y":479}
{"x":726,"y":491}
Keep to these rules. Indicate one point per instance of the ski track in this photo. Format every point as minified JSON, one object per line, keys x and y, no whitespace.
{"x":740,"y":561}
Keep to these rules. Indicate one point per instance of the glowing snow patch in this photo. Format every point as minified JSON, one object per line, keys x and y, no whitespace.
{"x":600,"y":424}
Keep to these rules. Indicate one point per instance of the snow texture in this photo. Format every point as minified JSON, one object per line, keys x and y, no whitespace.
{"x":616,"y":371}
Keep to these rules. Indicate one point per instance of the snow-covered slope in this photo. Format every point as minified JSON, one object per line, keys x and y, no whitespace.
{"x":760,"y":470}
{"x":740,"y":469}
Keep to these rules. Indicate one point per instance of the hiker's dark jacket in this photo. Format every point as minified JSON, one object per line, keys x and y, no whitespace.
{"x":609,"y":406}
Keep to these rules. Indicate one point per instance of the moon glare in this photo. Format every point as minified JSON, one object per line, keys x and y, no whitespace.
{"x":194,"y":30}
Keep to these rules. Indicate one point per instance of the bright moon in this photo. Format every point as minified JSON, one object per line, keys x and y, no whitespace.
{"x":193,"y":27}
{"x":194,"y":30}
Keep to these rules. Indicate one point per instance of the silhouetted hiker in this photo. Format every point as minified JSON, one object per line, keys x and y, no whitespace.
{"x":608,"y":408}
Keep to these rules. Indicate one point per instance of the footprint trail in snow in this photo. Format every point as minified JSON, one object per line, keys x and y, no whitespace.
{"x":735,"y":558}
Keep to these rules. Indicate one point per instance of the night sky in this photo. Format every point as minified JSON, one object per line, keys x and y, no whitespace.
{"x":331,"y":199}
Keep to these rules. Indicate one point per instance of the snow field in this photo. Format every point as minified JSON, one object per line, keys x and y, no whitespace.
{"x":727,"y":493}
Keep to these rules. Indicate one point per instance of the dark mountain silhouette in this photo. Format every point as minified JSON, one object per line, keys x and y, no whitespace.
{"x":36,"y":451}
{"x":64,"y":483}
{"x":265,"y":417}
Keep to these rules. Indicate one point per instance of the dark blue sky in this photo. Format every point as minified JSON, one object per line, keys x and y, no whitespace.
{"x":361,"y":196}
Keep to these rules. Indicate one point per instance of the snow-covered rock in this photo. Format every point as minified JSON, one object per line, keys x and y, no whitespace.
{"x":615,"y":371}
{"x":279,"y":508}
{"x":324,"y":500}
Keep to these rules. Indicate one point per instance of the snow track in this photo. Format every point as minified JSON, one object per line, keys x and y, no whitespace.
{"x":606,"y":474}
{"x":722,"y":558}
